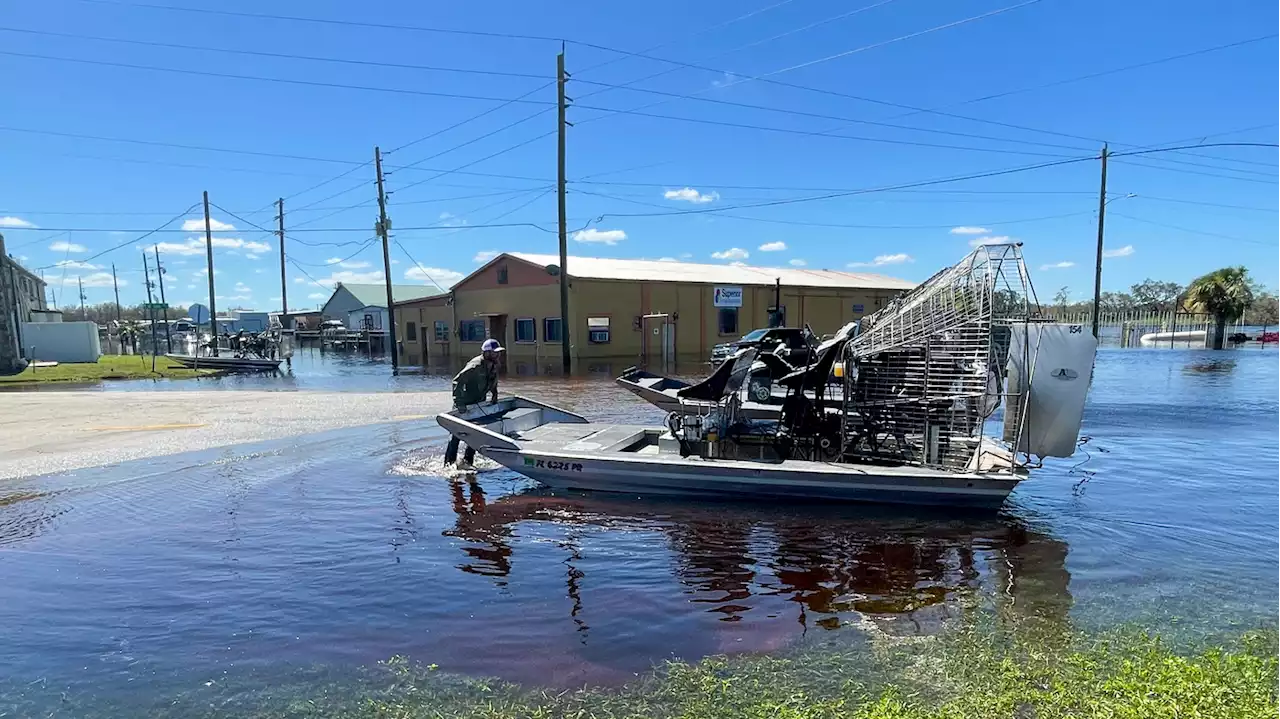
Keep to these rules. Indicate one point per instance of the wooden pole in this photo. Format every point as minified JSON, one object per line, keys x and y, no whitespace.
{"x":213,"y":307}
{"x":383,"y":231}
{"x":1102,"y":214}
{"x":168,"y":339}
{"x":561,"y":75}
{"x":151,"y":310}
{"x":284,"y":285}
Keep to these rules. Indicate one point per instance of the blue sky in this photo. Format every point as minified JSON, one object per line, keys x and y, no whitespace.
{"x":1189,"y":213}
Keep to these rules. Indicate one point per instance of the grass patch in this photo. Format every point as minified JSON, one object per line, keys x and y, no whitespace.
{"x":108,"y":367}
{"x":964,"y":674}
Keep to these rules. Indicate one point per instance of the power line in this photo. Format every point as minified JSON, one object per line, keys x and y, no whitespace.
{"x":1191,"y":231}
{"x":259,"y":78}
{"x":1206,"y":204}
{"x":806,"y":223}
{"x":364,"y":246}
{"x":141,"y":237}
{"x":1103,"y":73}
{"x":155,"y":143}
{"x":833,"y":195}
{"x":1181,"y":171}
{"x":476,"y":162}
{"x":286,"y":56}
{"x":327,"y":21}
{"x":802,"y":113}
{"x":422,"y":269}
{"x":809,"y":133}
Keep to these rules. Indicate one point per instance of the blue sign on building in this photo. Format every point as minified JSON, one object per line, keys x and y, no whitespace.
{"x":859,"y":308}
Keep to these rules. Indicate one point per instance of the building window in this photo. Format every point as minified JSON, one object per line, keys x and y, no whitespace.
{"x":551,"y":329}
{"x":728,"y":320}
{"x":526,"y":330}
{"x":442,"y":331}
{"x":411,"y":332}
{"x":471,"y":330}
{"x":502,"y":275}
{"x":598,"y":330}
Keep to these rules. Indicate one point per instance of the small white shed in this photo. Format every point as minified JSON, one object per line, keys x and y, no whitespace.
{"x":61,"y":341}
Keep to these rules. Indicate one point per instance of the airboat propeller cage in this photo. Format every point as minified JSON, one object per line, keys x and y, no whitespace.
{"x":932,"y":366}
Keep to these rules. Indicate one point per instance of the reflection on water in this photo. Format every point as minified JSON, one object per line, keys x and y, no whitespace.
{"x":812,"y":565}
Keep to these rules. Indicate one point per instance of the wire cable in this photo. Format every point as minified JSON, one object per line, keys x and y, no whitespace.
{"x":126,"y":243}
{"x":1191,"y":231}
{"x":286,"y":56}
{"x":260,"y":78}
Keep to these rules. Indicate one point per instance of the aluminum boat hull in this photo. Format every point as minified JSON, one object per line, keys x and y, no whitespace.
{"x":563,"y":451}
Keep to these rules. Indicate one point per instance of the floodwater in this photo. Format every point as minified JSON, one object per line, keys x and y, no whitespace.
{"x":192,"y":575}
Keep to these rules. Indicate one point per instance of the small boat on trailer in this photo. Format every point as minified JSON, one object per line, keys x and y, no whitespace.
{"x":904,"y":423}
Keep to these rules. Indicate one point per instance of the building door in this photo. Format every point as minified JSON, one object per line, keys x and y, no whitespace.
{"x":498,"y":331}
{"x":658,"y":340}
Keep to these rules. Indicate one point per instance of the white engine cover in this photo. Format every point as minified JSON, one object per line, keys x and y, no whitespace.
{"x":1062,"y":357}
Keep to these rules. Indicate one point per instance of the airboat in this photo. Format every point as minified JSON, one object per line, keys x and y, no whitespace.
{"x":950,"y":395}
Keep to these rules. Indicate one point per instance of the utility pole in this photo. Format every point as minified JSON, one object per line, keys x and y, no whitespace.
{"x":561,"y":76}
{"x":116,"y":286}
{"x":384,"y":226}
{"x":80,"y":288}
{"x":1097,"y":270}
{"x":151,"y":309}
{"x":168,"y":341}
{"x":208,"y":249}
{"x":284,"y":285}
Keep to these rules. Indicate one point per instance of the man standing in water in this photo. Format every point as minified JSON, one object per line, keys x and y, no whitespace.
{"x":477,"y":379}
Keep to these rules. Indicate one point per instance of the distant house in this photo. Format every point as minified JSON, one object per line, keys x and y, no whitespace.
{"x":30,"y":289}
{"x":360,"y":306}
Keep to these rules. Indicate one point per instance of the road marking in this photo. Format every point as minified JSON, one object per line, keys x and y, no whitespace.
{"x":145,"y":427}
{"x":412,"y":416}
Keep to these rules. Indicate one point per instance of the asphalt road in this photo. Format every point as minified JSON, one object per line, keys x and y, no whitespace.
{"x":43,"y":432}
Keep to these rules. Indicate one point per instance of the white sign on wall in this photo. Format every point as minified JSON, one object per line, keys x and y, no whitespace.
{"x":727,"y":297}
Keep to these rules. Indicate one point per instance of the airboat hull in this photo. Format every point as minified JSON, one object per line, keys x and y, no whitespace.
{"x":230,"y":364}
{"x":564,"y":451}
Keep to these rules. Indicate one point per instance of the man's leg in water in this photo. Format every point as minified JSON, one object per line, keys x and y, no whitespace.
{"x":451,"y":452}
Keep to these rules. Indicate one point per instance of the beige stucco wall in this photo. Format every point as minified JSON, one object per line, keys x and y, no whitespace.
{"x":697,"y":325}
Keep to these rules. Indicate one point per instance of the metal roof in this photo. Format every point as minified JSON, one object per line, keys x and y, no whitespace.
{"x":600,"y":268}
{"x":376,"y":295}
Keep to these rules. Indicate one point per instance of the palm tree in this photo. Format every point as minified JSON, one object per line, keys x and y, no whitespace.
{"x":1224,"y":294}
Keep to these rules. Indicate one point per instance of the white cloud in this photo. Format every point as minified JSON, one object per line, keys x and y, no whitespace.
{"x":252,"y":256}
{"x":433,"y":275}
{"x":258,"y":271}
{"x":98,"y":279}
{"x":347,"y":264}
{"x":243,"y":289}
{"x":195,"y":246}
{"x":882,"y":260}
{"x":798,"y":263}
{"x":197,"y":225}
{"x":605,"y":237}
{"x":686,"y":255}
{"x":233,"y":298}
{"x":738,"y":264}
{"x":15,"y":222}
{"x":317,"y":296}
{"x":354,"y":278}
{"x":1119,"y":251}
{"x":773,"y":246}
{"x":64,"y":246}
{"x":1058,"y":266}
{"x":76,"y":265}
{"x":667,"y":259}
{"x":733,"y":253}
{"x":688,"y":194}
{"x":191,"y":286}
{"x":484,"y":256}
{"x":980,"y":241}
{"x":966,"y":230}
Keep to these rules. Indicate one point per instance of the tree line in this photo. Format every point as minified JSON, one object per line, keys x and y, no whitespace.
{"x":1262,"y":308}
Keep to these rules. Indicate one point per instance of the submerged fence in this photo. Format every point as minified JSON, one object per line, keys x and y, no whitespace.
{"x":1127,"y":327}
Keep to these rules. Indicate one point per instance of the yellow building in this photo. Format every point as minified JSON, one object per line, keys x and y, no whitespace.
{"x":626,"y":309}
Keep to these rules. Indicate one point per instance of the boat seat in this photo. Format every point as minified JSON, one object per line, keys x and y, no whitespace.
{"x":726,"y":380}
{"x":521,"y":419}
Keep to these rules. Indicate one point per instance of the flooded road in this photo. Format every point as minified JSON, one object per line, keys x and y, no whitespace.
{"x":132,"y":584}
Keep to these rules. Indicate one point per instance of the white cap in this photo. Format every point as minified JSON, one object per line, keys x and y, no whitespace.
{"x":491,"y":345}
